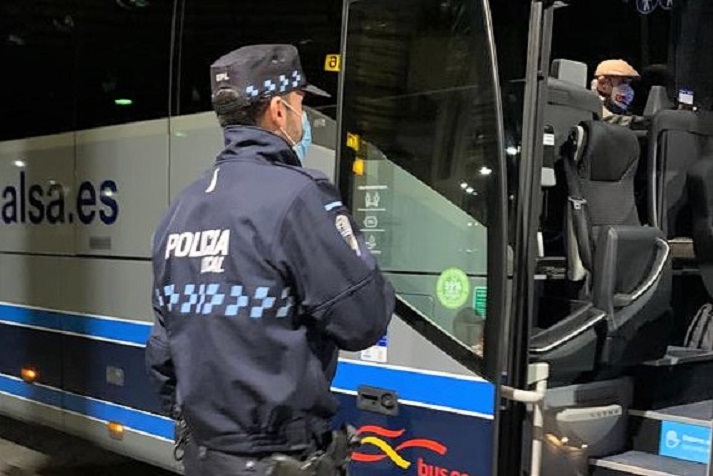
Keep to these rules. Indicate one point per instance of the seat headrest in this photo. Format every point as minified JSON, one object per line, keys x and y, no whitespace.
{"x":571,"y":71}
{"x":562,"y":93}
{"x":658,"y":100}
{"x":609,"y":151}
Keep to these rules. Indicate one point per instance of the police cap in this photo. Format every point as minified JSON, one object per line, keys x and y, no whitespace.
{"x":261,"y":71}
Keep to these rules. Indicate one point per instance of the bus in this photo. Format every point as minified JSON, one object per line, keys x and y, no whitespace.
{"x":551,"y":261}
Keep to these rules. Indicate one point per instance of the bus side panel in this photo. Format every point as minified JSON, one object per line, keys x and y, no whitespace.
{"x":107,"y":287}
{"x":419,"y":442}
{"x":108,"y":371}
{"x":29,"y":280}
{"x":24,"y":348}
{"x":134,"y":444}
{"x":196,"y":141}
{"x":81,"y":323}
{"x":36,"y":195}
{"x":25,"y":338}
{"x":122,"y":187}
{"x":107,"y":323}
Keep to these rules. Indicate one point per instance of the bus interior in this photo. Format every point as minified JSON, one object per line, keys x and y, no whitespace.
{"x":617,"y":211}
{"x":623,"y":241}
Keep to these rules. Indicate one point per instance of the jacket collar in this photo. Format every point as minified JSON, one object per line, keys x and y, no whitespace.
{"x":248,"y":142}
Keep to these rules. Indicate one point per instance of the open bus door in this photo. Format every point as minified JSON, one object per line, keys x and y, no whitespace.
{"x":421,"y":166}
{"x":420,"y":163}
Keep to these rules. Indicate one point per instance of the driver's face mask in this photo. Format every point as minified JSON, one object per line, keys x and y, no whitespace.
{"x":620,"y":99}
{"x":300,"y":147}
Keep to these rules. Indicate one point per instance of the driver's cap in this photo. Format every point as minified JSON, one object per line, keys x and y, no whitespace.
{"x":616,"y":67}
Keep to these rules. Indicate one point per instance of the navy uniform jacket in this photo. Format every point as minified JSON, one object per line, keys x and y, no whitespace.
{"x":260,"y":276}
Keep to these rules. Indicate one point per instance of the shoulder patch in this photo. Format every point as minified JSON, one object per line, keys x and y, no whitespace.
{"x":331,"y":206}
{"x":344,"y":227}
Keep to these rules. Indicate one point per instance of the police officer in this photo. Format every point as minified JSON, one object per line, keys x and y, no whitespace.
{"x":260,"y":277}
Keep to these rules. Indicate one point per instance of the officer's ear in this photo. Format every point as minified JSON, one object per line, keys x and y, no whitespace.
{"x":275,"y":117}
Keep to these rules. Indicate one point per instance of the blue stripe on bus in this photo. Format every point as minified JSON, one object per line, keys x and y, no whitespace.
{"x":30,"y":317}
{"x":476,"y":396}
{"x":100,"y":410}
{"x":117,"y":330}
{"x":125,"y":331}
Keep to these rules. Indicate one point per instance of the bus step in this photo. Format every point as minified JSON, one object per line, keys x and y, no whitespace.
{"x":682,"y":432}
{"x":698,"y":413}
{"x":645,"y":464}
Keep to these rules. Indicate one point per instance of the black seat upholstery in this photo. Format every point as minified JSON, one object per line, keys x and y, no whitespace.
{"x":606,"y":168}
{"x":678,"y":140}
{"x":569,"y":102}
{"x":700,"y":193}
{"x":624,"y":308}
{"x":567,"y":105}
{"x":600,"y":172}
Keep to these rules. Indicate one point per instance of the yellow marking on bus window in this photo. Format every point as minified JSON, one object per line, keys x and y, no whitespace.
{"x":359,"y":167}
{"x":333,"y":63}
{"x":353,"y":141}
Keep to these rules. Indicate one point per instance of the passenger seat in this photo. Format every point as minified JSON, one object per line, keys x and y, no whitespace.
{"x":569,"y":102}
{"x":624,"y":312}
{"x":678,"y":140}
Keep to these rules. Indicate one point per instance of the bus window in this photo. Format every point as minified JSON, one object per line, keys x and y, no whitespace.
{"x":213,"y":28}
{"x":37,"y":82}
{"x":420,"y":154}
{"x":123,"y":61}
{"x":208,"y":30}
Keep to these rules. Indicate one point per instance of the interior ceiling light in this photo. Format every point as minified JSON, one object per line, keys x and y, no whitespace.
{"x":15,"y":40}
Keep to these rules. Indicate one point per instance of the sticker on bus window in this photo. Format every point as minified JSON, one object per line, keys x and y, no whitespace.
{"x":453,"y":288}
{"x":353,"y":141}
{"x":480,"y":300}
{"x":376,"y":353}
{"x":333,"y":63}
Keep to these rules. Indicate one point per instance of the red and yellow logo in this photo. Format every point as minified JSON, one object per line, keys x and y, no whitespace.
{"x":376,"y":436}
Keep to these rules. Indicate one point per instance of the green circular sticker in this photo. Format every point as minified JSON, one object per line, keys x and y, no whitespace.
{"x":453,"y":288}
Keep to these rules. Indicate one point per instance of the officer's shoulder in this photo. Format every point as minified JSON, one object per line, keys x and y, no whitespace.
{"x":308,"y":181}
{"x":311,"y":185}
{"x":308,"y":175}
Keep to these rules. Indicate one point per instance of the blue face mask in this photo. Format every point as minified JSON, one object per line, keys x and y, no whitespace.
{"x":301,"y":147}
